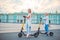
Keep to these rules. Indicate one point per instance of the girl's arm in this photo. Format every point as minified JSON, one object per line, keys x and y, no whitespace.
{"x":27,"y":16}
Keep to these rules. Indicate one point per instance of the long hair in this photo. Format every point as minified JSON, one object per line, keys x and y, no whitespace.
{"x":29,"y":10}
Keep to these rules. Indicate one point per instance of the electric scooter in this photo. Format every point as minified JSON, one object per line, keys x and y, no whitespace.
{"x":21,"y":33}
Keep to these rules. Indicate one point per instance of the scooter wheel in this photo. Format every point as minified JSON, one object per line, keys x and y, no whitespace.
{"x":51,"y":33}
{"x":36,"y":35}
{"x":20,"y":35}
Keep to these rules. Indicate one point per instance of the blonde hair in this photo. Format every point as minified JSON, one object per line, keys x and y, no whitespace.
{"x":46,"y":14}
{"x":29,"y":10}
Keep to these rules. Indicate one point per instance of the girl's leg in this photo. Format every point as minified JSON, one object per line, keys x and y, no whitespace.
{"x":46,"y":28}
{"x":26,"y":28}
{"x":29,"y":26}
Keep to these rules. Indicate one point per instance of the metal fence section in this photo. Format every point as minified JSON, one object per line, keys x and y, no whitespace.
{"x":16,"y":18}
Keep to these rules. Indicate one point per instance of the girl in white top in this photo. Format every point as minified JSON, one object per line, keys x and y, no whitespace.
{"x":46,"y":24}
{"x":28,"y":22}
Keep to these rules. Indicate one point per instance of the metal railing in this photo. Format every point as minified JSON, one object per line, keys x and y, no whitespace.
{"x":6,"y":18}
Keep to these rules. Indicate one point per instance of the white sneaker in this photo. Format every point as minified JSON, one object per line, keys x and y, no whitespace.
{"x":27,"y":35}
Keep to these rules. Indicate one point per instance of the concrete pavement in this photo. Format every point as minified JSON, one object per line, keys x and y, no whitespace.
{"x":14,"y":27}
{"x":9,"y":31}
{"x":14,"y":36}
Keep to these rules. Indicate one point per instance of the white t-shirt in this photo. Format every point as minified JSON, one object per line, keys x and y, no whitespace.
{"x":46,"y":18}
{"x":29,"y":19}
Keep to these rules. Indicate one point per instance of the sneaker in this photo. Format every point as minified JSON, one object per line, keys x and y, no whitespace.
{"x":27,"y":35}
{"x":47,"y":34}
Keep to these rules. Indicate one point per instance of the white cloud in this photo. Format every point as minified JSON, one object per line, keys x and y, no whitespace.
{"x":11,"y":6}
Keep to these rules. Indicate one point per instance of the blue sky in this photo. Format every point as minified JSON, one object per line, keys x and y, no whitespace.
{"x":11,"y":6}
